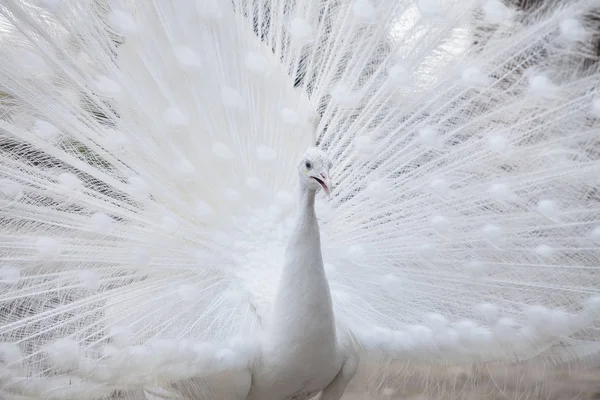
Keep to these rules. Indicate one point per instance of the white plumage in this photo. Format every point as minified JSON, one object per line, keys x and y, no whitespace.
{"x":149,"y":163}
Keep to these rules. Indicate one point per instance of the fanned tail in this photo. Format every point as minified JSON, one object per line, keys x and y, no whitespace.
{"x":465,"y":222}
{"x":147,"y":180}
{"x":136,"y":142}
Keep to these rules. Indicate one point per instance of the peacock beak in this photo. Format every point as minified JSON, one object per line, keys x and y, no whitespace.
{"x":324,"y":181}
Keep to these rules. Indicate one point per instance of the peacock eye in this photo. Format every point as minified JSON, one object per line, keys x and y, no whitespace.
{"x":308,"y":165}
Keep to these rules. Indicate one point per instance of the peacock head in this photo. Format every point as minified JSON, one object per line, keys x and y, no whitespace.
{"x":314,"y":170}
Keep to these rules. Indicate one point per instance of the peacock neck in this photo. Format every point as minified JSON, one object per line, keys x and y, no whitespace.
{"x":303,"y":255}
{"x":302,"y":307}
{"x":306,"y":209}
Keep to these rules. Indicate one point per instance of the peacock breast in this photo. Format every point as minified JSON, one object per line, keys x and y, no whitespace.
{"x":294,"y":373}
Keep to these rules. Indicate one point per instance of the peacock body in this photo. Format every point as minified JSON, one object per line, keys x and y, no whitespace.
{"x":149,"y":170}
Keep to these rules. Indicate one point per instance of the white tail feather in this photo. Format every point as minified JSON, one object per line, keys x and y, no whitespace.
{"x":147,"y":180}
